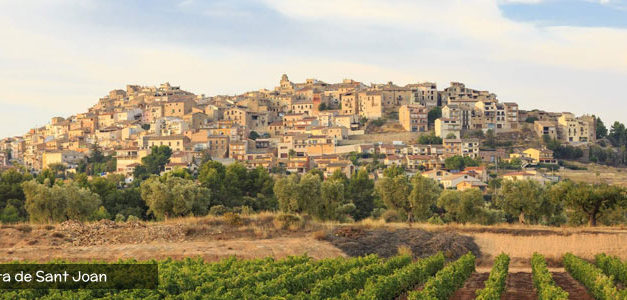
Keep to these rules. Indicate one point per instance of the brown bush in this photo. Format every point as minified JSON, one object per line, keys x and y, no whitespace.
{"x":233,"y":219}
{"x":319,"y":235}
{"x":287,"y":221}
{"x":193,"y":230}
{"x":24,"y":228}
{"x":58,"y":235}
{"x":49,"y":227}
{"x":391,"y":216}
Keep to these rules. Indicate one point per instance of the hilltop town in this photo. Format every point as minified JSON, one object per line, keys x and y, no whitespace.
{"x":296,"y":127}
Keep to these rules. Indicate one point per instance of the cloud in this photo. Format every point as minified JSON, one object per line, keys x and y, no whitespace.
{"x":60,"y":57}
{"x":520,"y":1}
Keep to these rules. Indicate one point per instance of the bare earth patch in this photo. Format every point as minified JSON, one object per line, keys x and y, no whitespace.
{"x":575,"y":290}
{"x":519,"y":286}
{"x":475,"y":282}
{"x":208,"y":250}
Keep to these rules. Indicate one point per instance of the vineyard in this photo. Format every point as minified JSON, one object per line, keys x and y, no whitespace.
{"x":366,"y":277}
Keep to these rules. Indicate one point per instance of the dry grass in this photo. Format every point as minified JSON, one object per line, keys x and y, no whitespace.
{"x":405,"y":250}
{"x":319,"y":235}
{"x":521,"y":241}
{"x":520,"y":248}
{"x":24,"y":228}
{"x":58,"y":235}
{"x":606,"y":174}
{"x":515,"y":229}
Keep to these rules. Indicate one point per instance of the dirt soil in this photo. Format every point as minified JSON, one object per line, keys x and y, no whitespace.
{"x":575,"y":290}
{"x":357,"y":241}
{"x":207,"y":238}
{"x":208,"y":250}
{"x":475,"y":282}
{"x":519,"y":286}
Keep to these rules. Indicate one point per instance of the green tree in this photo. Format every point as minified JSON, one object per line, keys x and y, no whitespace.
{"x":46,"y":176}
{"x":309,"y":193}
{"x":618,"y":134}
{"x":393,"y":171}
{"x":429,"y":139}
{"x":262,"y":189}
{"x":394,"y":192}
{"x":601,"y":130}
{"x":236,"y":185}
{"x":433,"y":114}
{"x":522,"y":198}
{"x":96,"y":162}
{"x":253,"y":135}
{"x":9,"y":214}
{"x":157,"y":159}
{"x":361,"y":193}
{"x":593,"y":200}
{"x":331,"y":197}
{"x":462,"y":206}
{"x":424,"y":193}
{"x":490,"y":139}
{"x":454,"y":163}
{"x":212,"y":176}
{"x":174,"y":197}
{"x":115,"y":200}
{"x":11,"y":190}
{"x":140,"y":173}
{"x":317,"y":172}
{"x":286,"y":190}
{"x":531,"y":120}
{"x":47,"y":204}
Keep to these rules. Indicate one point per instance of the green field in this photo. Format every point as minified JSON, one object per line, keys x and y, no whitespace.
{"x":368,"y":277}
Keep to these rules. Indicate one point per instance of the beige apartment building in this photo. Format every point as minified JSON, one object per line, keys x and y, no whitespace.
{"x":178,"y":108}
{"x":68,"y":158}
{"x":543,"y":128}
{"x":461,"y":112}
{"x":444,"y":127}
{"x":425,"y":94}
{"x":370,"y":104}
{"x":413,"y":118}
{"x":568,"y":129}
{"x":350,"y":106}
{"x":463,"y":147}
{"x":573,"y":129}
{"x":175,"y":142}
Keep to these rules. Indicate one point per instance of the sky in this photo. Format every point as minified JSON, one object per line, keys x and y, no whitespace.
{"x":57,"y":57}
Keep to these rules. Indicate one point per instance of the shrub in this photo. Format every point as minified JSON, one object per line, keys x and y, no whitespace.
{"x":287,"y":221}
{"x":448,"y":280}
{"x":435,"y":220}
{"x":120,"y":218}
{"x":599,"y":285}
{"x":389,"y":287}
{"x":132,"y":218}
{"x":24,"y":228}
{"x":233,"y":219}
{"x":495,"y":284}
{"x":612,"y":266}
{"x":391,"y":215}
{"x":218,"y":210}
{"x":543,"y":281}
